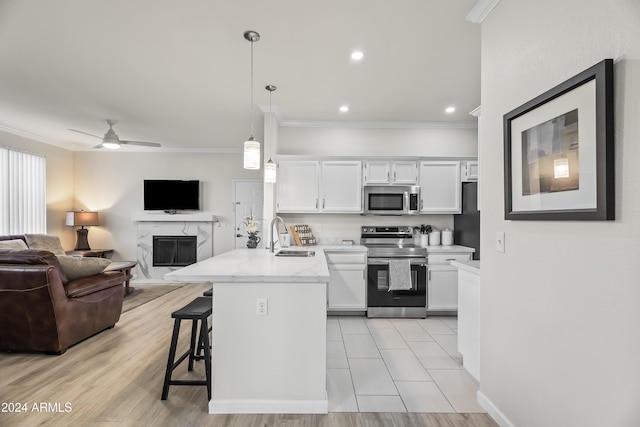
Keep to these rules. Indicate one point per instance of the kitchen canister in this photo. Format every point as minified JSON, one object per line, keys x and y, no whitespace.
{"x":447,"y":237}
{"x":434,"y":238}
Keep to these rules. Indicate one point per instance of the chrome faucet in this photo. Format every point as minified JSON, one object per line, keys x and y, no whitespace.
{"x":272,"y":240}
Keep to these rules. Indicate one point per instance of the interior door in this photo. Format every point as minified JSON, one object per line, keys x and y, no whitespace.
{"x":247,"y":200}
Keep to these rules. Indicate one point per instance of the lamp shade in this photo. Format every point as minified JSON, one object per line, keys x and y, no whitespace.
{"x":82,"y":218}
{"x":270,"y":172}
{"x":251,"y":154}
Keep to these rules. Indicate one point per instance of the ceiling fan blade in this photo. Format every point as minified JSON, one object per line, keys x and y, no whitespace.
{"x":145,"y":144}
{"x":90,"y":134}
{"x":98,"y":146}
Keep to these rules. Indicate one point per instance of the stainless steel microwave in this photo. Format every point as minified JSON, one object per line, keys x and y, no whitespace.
{"x":391,"y":200}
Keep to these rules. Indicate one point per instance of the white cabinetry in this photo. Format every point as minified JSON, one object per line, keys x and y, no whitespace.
{"x":314,"y":186}
{"x":347,"y":290}
{"x":440,"y":187}
{"x":341,"y":186}
{"x":469,"y":170}
{"x":442,"y":288}
{"x":298,"y":186}
{"x":399,"y":172}
{"x":442,"y":283}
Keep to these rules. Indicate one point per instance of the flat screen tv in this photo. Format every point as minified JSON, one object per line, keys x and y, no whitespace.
{"x":171,"y":195}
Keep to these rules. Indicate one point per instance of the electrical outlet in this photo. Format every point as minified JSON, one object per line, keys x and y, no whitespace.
{"x":262,"y":307}
{"x":500,"y":241}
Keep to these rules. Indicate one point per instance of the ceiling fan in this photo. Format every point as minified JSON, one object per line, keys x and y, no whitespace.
{"x":111,"y":140}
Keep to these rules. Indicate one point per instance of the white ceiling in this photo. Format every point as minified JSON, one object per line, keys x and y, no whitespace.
{"x":178,"y":72}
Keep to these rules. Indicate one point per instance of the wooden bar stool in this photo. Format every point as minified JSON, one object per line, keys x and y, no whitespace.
{"x":197,"y":310}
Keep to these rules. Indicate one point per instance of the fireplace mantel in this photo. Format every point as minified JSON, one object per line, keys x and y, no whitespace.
{"x":178,"y":217}
{"x":152,"y":224}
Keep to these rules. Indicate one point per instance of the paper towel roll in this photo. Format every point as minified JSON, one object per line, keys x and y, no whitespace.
{"x":447,"y":237}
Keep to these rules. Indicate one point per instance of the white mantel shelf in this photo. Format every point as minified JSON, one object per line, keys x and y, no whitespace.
{"x":178,"y":217}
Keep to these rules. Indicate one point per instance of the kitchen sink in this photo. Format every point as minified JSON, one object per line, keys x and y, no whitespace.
{"x":296,"y":253}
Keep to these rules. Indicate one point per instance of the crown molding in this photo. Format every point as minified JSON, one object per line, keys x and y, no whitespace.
{"x":481,"y":10}
{"x":476,"y":111}
{"x":379,"y":124}
{"x":24,"y":134}
{"x":194,"y":150}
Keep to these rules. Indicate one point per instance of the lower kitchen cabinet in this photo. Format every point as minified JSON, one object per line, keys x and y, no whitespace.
{"x":442,"y":278}
{"x":442,"y":288}
{"x":347,"y":290}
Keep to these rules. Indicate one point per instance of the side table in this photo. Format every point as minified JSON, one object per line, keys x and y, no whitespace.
{"x":125,"y":267}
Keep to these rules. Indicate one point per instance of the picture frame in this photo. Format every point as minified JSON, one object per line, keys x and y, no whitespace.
{"x":559,"y":151}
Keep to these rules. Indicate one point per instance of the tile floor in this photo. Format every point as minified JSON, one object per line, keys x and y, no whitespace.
{"x":397,"y":365}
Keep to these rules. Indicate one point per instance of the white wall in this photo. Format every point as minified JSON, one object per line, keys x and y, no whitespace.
{"x":351,"y":141}
{"x":561,"y":307}
{"x":59,"y":183}
{"x":112,"y":183}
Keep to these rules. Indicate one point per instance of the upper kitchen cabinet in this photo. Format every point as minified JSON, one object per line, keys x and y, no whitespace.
{"x":315,"y":186}
{"x":298,"y":186}
{"x":469,"y":170}
{"x":440,"y":187}
{"x":403,"y":172}
{"x":341,"y":186}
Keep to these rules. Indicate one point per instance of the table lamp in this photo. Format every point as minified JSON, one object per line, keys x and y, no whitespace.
{"x":82,"y":218}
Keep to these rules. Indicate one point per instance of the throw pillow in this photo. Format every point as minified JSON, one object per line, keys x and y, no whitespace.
{"x":77,"y":267}
{"x":13,"y":244}
{"x":45,"y":242}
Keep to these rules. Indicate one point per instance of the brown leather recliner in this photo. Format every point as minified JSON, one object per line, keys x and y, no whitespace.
{"x":40,"y":310}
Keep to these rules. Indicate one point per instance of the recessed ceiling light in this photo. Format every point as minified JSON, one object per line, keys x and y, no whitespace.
{"x":450,"y":110}
{"x":357,"y":55}
{"x":344,"y":108}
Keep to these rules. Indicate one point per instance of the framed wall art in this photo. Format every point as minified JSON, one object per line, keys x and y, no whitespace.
{"x":558,"y":151}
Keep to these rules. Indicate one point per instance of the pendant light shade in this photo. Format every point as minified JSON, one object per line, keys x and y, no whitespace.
{"x":251,"y":154}
{"x":251,"y":146}
{"x":270,"y":170}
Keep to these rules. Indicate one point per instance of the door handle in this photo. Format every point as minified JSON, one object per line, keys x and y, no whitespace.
{"x":239,"y":235}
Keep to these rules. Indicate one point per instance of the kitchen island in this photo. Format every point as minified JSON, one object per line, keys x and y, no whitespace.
{"x":269,"y":331}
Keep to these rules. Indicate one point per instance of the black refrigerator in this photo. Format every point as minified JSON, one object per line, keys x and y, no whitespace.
{"x":466,"y":226}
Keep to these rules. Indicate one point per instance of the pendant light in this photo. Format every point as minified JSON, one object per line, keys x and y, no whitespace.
{"x":270,"y":167}
{"x":251,"y":146}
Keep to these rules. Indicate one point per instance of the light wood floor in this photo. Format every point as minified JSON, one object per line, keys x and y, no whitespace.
{"x":115,"y":379}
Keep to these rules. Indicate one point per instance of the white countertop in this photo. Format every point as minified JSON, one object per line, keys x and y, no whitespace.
{"x":449,"y":248}
{"x":255,"y":265}
{"x":472,"y":266}
{"x":340,"y":248}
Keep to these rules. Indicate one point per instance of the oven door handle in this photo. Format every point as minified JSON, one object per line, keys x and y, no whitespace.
{"x":385,"y":261}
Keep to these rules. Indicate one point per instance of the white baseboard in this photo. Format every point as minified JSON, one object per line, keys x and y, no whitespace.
{"x":259,"y":406}
{"x":493,"y":411}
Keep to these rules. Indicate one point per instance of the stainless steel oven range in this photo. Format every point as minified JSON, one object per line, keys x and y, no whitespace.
{"x":404,"y":292}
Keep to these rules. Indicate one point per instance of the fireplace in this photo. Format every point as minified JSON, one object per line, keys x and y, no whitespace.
{"x":169,"y":242}
{"x":174,"y":251}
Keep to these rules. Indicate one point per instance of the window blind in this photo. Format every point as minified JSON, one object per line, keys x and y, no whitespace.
{"x":22,"y":192}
